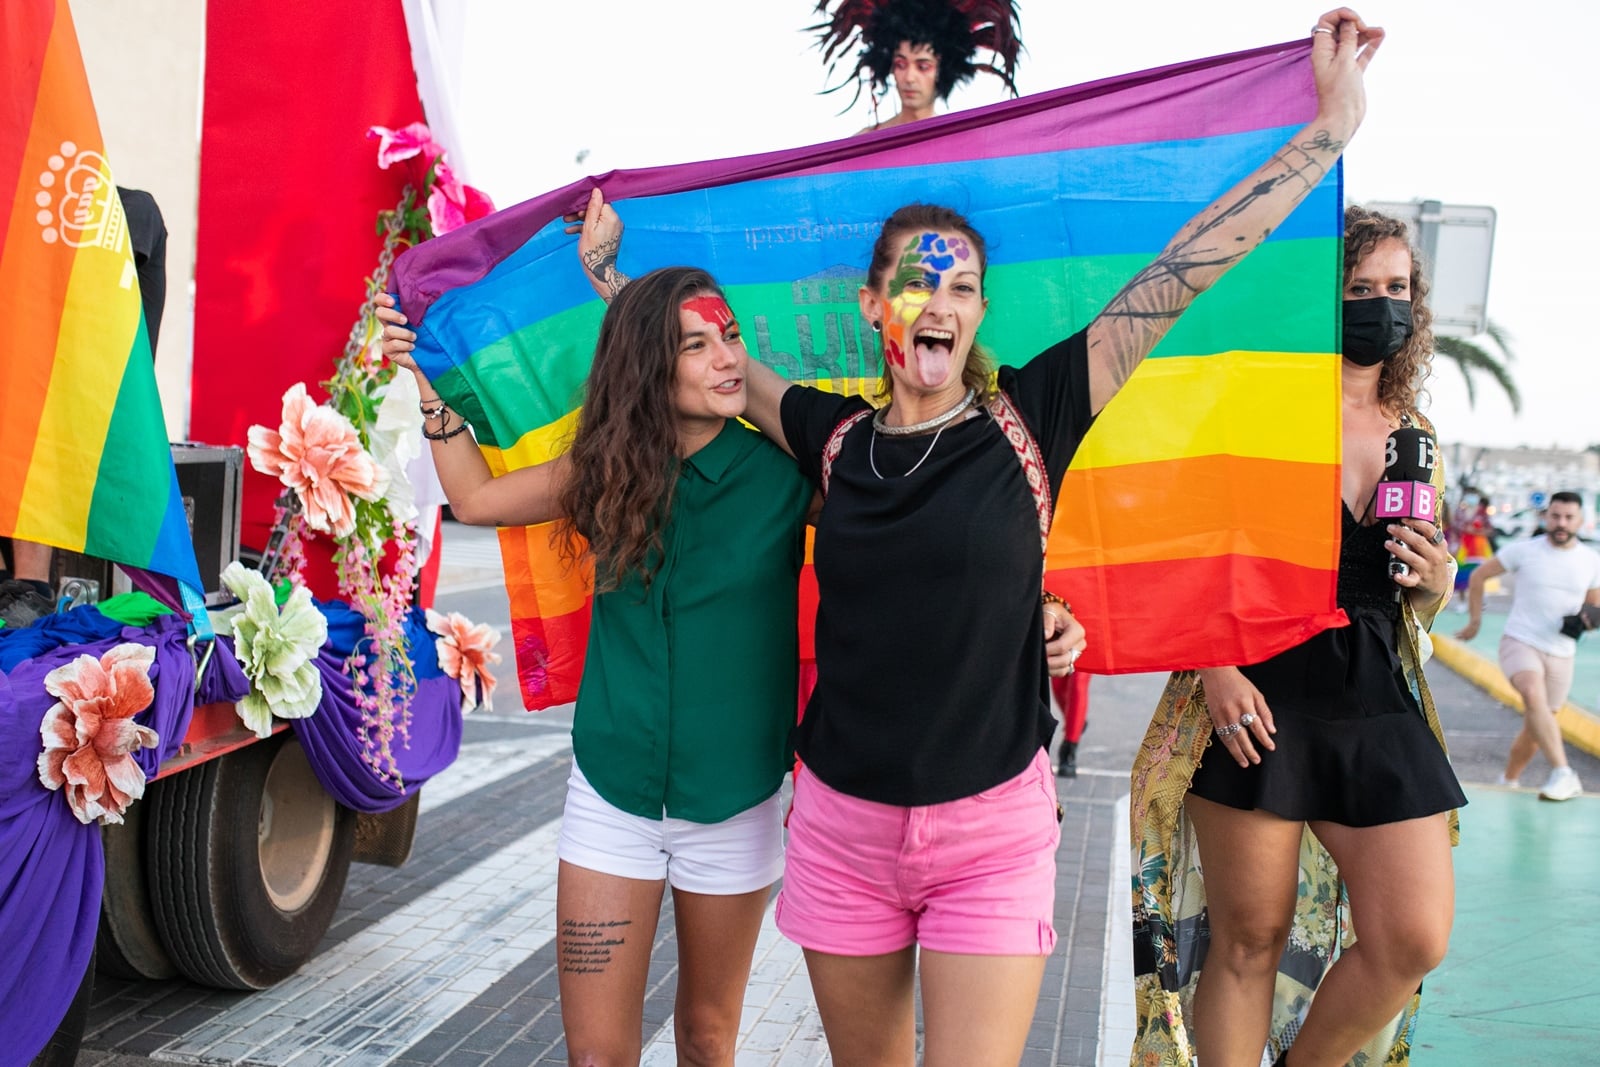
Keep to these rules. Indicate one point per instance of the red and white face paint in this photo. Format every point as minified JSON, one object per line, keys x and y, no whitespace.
{"x":709,"y":379}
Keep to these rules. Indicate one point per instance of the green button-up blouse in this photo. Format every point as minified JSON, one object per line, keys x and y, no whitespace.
{"x":688,"y":692}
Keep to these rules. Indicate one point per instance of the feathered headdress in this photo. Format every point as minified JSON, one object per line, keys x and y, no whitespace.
{"x":954,"y":29}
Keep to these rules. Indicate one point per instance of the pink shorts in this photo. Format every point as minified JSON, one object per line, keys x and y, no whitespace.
{"x":975,"y":876}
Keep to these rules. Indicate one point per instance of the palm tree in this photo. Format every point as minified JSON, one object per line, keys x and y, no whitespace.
{"x":1471,"y":357}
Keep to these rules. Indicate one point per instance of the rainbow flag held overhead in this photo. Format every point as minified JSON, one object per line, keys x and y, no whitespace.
{"x":1199,"y":523}
{"x":84,"y":460}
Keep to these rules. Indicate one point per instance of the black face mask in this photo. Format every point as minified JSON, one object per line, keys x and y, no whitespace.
{"x":1375,"y":329}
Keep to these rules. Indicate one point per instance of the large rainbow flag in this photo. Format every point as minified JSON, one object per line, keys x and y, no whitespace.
{"x":84,"y":459}
{"x":1199,"y":523}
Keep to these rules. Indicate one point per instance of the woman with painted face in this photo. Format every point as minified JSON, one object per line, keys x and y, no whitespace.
{"x":1326,"y":763}
{"x":925,"y":824}
{"x":925,"y":816}
{"x":680,"y":735}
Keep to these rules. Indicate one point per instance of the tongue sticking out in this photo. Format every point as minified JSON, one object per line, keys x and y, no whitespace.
{"x":933,"y":361}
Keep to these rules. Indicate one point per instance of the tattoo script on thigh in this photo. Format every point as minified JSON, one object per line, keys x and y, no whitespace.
{"x":587,"y":947}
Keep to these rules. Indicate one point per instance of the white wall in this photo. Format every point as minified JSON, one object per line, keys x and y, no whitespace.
{"x":144,"y":64}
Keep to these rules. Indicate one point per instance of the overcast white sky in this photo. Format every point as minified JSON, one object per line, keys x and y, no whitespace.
{"x":1469,"y":103}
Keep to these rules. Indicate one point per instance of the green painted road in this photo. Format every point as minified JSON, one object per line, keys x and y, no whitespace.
{"x":1520,"y":985}
{"x":1585,"y":669}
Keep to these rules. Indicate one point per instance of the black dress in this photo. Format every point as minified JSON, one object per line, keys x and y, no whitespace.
{"x":1352,"y":745}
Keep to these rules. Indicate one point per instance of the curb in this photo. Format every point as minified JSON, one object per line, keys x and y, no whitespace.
{"x":1579,"y":728}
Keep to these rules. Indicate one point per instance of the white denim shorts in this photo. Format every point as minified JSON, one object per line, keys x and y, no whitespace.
{"x":737,"y":855}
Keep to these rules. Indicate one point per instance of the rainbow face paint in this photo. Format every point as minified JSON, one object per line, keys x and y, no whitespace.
{"x":925,"y":259}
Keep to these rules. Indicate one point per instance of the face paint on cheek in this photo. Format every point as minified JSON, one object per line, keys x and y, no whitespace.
{"x":904,"y":310}
{"x":713,"y":309}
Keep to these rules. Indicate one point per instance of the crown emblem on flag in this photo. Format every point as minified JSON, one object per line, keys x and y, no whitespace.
{"x":78,"y":203}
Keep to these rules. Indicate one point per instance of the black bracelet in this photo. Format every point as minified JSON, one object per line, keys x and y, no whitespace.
{"x":435,"y":412}
{"x":443,"y":434}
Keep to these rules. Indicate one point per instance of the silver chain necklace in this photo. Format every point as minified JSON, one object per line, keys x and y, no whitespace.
{"x":939,"y":421}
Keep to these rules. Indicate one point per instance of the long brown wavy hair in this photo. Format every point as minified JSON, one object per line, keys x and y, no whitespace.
{"x":1400,"y":383}
{"x":978,"y":374}
{"x":625,"y":452}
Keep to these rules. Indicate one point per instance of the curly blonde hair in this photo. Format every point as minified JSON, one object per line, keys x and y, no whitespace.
{"x":1401,"y":383}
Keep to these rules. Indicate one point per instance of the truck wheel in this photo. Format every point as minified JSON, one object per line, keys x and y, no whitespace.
{"x":129,"y":946}
{"x":247,"y":857}
{"x":62,"y":1051}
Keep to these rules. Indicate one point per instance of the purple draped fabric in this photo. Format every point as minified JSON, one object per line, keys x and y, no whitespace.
{"x":332,"y":737}
{"x":51,"y":866}
{"x":51,"y":871}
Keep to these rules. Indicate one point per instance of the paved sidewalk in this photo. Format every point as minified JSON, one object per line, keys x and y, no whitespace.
{"x":451,"y":960}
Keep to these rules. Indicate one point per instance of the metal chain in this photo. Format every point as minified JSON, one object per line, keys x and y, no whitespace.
{"x":272,"y":559}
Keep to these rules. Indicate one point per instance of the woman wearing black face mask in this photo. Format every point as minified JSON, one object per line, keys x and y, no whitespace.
{"x":1335,"y":743}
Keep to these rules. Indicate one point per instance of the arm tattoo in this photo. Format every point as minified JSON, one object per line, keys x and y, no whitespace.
{"x":601,"y":261}
{"x":587,"y":947}
{"x":1145,"y":309}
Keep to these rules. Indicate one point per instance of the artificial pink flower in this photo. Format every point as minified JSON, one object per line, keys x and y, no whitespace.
{"x":465,"y":654}
{"x":453,"y":203}
{"x":317,"y":453}
{"x":414,"y":142}
{"x":89,"y":733}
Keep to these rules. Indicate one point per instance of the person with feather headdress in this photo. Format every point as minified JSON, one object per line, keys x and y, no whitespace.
{"x":928,"y":46}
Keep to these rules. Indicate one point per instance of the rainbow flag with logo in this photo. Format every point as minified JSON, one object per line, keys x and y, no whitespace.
{"x":1199,"y":523}
{"x":84,"y":459}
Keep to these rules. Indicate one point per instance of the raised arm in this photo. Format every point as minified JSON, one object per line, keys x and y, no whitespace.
{"x":1140,"y":315}
{"x":477,"y":498}
{"x":599,"y":230}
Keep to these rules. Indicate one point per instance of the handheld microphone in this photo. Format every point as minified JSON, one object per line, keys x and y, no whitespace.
{"x":1406,"y":491}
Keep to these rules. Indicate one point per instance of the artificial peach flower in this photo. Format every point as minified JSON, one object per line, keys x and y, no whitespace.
{"x":317,"y":453}
{"x":89,"y":733}
{"x":465,"y":654}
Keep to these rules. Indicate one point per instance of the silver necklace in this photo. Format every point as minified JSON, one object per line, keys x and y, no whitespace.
{"x":940,"y":421}
{"x":937,"y":421}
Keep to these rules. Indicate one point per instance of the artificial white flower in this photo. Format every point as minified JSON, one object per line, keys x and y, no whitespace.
{"x":277,"y":650}
{"x":395,"y":439}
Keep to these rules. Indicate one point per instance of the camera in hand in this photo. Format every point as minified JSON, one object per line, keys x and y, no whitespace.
{"x":1587,"y":618}
{"x":1407,"y":491}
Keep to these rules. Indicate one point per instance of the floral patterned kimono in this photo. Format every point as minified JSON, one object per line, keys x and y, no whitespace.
{"x":1170,"y":928}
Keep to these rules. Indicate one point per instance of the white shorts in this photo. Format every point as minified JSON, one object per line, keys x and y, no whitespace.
{"x":737,"y":855}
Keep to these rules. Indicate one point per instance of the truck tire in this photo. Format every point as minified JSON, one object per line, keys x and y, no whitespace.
{"x":129,"y":946}
{"x":62,"y":1051}
{"x":246,"y":858}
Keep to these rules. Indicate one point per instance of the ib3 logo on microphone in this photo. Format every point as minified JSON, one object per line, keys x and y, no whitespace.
{"x":1407,"y":500}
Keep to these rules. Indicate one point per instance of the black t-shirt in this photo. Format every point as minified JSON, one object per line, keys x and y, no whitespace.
{"x":147,"y":231}
{"x":931,"y":683}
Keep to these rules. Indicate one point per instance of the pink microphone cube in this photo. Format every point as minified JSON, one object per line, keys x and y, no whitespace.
{"x":1407,"y":500}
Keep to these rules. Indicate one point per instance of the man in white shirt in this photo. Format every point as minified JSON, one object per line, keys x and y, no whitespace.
{"x":1553,"y":577}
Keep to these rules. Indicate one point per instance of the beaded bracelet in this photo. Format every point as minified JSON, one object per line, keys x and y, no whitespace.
{"x":1047,"y":597}
{"x":433,"y":413}
{"x":442,"y":413}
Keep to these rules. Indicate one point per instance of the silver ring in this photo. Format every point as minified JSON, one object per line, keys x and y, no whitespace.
{"x":1229,"y":730}
{"x":1438,"y":536}
{"x":1320,"y":29}
{"x":1246,"y":719}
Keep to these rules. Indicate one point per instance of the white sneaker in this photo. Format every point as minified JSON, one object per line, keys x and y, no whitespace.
{"x":1562,"y":784}
{"x":1509,"y":783}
